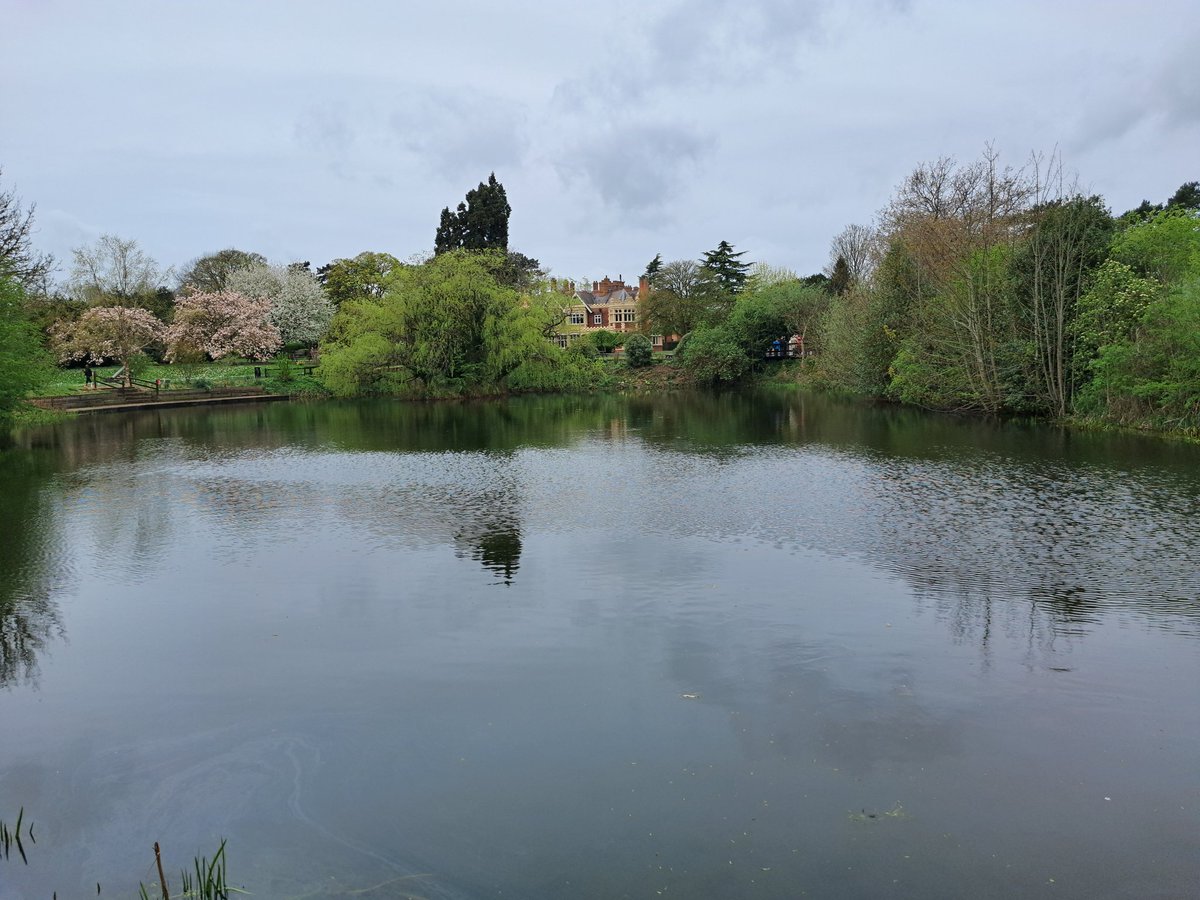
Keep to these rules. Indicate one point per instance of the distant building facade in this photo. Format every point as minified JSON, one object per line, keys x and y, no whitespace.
{"x":609,"y":305}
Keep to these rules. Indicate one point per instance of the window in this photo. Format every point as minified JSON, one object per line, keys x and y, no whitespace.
{"x":656,"y":340}
{"x":597,"y":319}
{"x":576,"y":318}
{"x":624,"y":315}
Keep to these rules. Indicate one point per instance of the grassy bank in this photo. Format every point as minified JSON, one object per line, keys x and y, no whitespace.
{"x":202,"y":375}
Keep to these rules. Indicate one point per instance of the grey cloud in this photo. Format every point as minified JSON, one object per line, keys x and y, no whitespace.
{"x":326,"y":131}
{"x":637,"y":170}
{"x":457,"y":132}
{"x":1171,"y":96}
{"x":1179,"y":89}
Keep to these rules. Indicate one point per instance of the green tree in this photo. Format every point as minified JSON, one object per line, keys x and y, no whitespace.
{"x":1165,"y":246}
{"x":639,"y":352}
{"x":726,"y":267}
{"x":652,"y":268}
{"x":798,"y":307}
{"x":447,"y":325}
{"x":1154,"y":377}
{"x":839,"y":277}
{"x":1070,"y":239}
{"x":520,"y":272}
{"x":1111,"y":310}
{"x":210,"y":273}
{"x":23,"y":362}
{"x":479,"y":223}
{"x":1188,"y":196}
{"x":364,"y":277}
{"x":685,"y":296}
{"x":714,"y":356}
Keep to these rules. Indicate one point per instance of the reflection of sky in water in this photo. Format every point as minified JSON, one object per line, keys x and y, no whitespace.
{"x":973,"y":526}
{"x":632,"y":657}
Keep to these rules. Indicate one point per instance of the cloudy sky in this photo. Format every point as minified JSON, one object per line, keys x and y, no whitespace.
{"x":310,"y":131}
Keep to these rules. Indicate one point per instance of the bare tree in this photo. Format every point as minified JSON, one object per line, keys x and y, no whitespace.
{"x":18,"y":259}
{"x":952,"y":222}
{"x":859,"y":246}
{"x":114,"y":272}
{"x":1069,"y":238}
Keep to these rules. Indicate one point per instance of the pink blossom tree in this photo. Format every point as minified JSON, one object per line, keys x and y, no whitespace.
{"x":222,"y":323}
{"x":108,"y":332}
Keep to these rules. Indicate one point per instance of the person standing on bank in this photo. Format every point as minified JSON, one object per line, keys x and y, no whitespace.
{"x":88,"y":375}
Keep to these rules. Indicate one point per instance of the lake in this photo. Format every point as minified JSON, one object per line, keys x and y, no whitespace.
{"x":765,"y":645}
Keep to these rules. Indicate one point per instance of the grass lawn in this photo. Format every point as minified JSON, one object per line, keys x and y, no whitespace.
{"x":179,"y":377}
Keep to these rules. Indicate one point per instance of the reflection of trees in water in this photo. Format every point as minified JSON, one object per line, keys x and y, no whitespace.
{"x":973,"y":514}
{"x":29,"y":618}
{"x":498,"y":549}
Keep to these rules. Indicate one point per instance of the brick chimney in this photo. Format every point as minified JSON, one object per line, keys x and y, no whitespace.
{"x":643,"y":287}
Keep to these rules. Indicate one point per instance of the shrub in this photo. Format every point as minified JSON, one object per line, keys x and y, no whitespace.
{"x":714,"y":356}
{"x":639,"y":352}
{"x":285,"y":369}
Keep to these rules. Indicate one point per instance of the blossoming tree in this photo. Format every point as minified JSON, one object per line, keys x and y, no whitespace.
{"x":108,"y":332}
{"x":300,"y":309}
{"x":222,"y":323}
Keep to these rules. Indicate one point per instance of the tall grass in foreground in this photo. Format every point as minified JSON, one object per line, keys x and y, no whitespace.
{"x":10,"y":837}
{"x":206,"y":881}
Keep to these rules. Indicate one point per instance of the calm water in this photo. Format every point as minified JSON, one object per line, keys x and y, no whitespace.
{"x":696,"y":647}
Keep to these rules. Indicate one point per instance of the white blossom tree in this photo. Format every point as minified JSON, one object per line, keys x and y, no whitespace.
{"x":222,"y":323}
{"x":108,"y":332}
{"x":300,"y":308}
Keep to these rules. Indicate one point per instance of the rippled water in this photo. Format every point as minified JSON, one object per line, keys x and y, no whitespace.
{"x":698,"y":646}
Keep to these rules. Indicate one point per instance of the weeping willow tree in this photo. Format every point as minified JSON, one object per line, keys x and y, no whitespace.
{"x":447,"y":326}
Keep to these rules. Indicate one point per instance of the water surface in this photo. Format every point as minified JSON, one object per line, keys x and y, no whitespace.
{"x":696,"y":646}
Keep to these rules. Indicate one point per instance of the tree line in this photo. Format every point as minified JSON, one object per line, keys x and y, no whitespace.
{"x":979,"y":287}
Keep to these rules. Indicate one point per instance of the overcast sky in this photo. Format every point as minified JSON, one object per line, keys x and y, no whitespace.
{"x":310,"y":131}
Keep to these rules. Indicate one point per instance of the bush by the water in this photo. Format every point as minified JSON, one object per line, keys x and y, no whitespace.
{"x":639,"y":352}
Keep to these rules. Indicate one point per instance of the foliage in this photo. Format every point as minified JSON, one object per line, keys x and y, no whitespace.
{"x":713,"y":356}
{"x":1070,"y":238}
{"x":18,"y":259}
{"x":211,"y":272}
{"x":299,"y":307}
{"x":603,"y":340}
{"x":652,"y":268}
{"x":726,"y":267}
{"x":362,"y":278}
{"x":859,"y":333}
{"x":23,"y":362}
{"x":446,"y":326}
{"x":639,"y":352}
{"x":284,"y":368}
{"x":762,"y":275}
{"x":839,"y":277}
{"x":479,"y":223}
{"x":1154,"y":376}
{"x":1188,"y":196}
{"x":520,"y":272}
{"x":222,"y":323}
{"x":108,"y":332}
{"x":1111,"y":310}
{"x":1165,"y":246}
{"x":685,"y":296}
